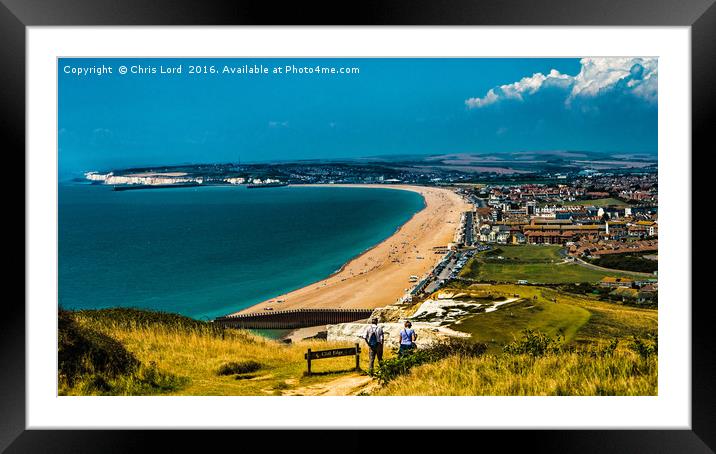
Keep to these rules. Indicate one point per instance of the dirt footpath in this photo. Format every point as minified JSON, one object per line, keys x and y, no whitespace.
{"x":349,"y":385}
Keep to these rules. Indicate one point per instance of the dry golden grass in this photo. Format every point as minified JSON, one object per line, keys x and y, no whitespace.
{"x":622,"y":373}
{"x":195,"y":355}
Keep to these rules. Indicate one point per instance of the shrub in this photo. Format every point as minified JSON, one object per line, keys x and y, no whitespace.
{"x":596,"y":350}
{"x":458,"y":347}
{"x":534,"y":343}
{"x":611,"y":348}
{"x":627,"y":262}
{"x":242,"y":367}
{"x":647,"y":347}
{"x":91,"y":363}
{"x":85,"y":351}
{"x":244,"y":376}
{"x":582,"y":288}
{"x":399,"y":365}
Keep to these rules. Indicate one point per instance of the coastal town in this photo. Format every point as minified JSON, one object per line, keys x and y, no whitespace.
{"x":596,"y":228}
{"x":592,"y":217}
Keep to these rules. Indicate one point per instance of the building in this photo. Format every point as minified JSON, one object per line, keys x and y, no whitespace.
{"x":560,"y":233}
{"x":531,"y":208}
{"x":615,"y":230}
{"x":625,"y":293}
{"x":610,"y":281}
{"x":647,"y":294}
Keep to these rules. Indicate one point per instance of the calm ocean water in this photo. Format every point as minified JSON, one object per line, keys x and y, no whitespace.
{"x":205,"y":252}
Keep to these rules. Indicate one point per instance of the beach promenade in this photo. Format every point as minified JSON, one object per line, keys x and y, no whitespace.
{"x":380,"y":276}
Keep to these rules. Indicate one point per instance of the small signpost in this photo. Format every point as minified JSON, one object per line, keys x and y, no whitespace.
{"x":333,"y":353}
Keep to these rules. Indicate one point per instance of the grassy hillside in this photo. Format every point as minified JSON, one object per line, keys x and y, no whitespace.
{"x":133,"y":352}
{"x":533,"y":263}
{"x":500,"y":327}
{"x":623,"y":372}
{"x":535,"y":346}
{"x":91,"y":362}
{"x":579,"y":319}
{"x":175,"y":355}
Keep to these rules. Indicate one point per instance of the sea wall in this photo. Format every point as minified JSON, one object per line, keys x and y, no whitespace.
{"x":297,"y":318}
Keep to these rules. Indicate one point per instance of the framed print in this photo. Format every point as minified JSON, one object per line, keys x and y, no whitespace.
{"x":413,"y":217}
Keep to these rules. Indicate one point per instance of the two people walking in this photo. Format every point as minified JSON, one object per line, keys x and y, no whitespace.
{"x":373,"y":336}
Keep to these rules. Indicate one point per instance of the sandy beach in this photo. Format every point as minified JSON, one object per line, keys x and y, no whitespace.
{"x":380,"y":276}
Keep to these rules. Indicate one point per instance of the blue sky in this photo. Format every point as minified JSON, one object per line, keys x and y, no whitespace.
{"x":393,"y":106}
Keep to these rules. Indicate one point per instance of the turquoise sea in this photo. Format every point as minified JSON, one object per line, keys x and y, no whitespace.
{"x":208,"y":251}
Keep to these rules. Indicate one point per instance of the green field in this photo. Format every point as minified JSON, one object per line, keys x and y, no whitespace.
{"x":533,"y":263}
{"x":578,"y":319}
{"x":527,"y":253}
{"x":500,"y":327}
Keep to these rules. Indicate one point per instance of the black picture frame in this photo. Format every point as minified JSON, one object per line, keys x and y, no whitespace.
{"x":16,"y":15}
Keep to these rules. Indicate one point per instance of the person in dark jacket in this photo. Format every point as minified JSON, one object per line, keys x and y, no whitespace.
{"x":373,"y":336}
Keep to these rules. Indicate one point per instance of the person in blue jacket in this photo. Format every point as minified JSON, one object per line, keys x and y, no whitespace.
{"x":407,"y":339}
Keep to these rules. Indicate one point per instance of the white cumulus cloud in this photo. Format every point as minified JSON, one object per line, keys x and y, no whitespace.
{"x":597,"y":76}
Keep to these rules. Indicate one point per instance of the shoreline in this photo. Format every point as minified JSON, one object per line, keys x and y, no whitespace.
{"x":379,"y":275}
{"x":357,"y":256}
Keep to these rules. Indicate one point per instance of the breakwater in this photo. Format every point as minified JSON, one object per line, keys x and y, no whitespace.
{"x":297,"y":318}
